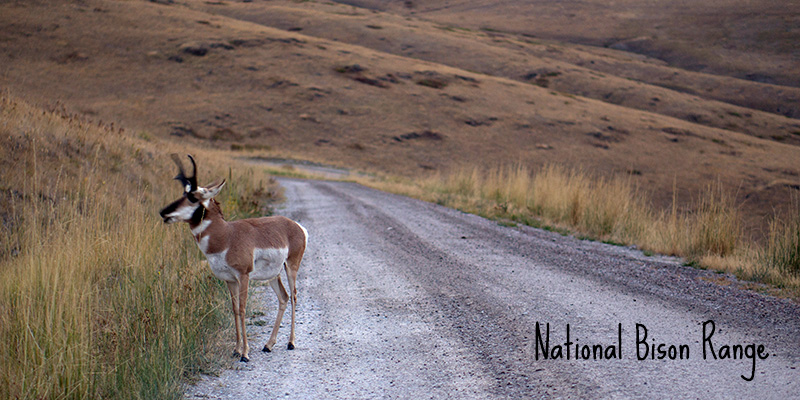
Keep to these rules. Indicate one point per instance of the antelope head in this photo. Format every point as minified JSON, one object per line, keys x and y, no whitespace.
{"x":195,"y":198}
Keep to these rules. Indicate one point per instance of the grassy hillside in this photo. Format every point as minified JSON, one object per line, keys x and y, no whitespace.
{"x":404,"y":95}
{"x":98,"y":298}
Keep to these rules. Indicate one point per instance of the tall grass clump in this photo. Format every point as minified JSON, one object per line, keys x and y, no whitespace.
{"x":711,"y":227}
{"x":782,"y":251}
{"x":98,"y":299}
{"x":609,"y":209}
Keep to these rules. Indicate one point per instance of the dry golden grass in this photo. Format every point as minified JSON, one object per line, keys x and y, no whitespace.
{"x":98,"y":299}
{"x":707,"y":234}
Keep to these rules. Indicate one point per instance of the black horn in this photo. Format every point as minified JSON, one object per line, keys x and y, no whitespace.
{"x":193,"y":178}
{"x":190,"y":181}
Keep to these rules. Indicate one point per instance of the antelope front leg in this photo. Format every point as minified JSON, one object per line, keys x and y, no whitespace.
{"x":233,"y":287}
{"x":243,"y":286}
{"x":280,"y":291}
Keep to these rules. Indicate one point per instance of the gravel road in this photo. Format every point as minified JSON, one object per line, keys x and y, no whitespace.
{"x":404,"y":299}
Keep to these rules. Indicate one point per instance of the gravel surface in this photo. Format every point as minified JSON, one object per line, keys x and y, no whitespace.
{"x":404,"y":299}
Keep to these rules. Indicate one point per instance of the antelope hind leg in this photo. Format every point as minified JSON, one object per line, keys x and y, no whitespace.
{"x":280,"y":291}
{"x":291,"y":275}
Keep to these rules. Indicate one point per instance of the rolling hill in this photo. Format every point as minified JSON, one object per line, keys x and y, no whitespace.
{"x":398,"y":88}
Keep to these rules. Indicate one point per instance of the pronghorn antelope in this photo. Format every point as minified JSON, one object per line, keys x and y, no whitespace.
{"x":237,"y":251}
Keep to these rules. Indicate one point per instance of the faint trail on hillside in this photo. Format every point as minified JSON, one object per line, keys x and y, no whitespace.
{"x":404,"y":299}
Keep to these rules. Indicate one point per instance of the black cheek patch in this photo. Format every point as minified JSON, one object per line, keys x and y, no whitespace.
{"x":197,"y":216}
{"x":190,"y":196}
{"x":169,"y":209}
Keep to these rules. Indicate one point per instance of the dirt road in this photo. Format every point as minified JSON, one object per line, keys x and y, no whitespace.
{"x":404,"y":299}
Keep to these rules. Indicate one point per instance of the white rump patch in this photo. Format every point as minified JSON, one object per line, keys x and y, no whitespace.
{"x":268,"y":263}
{"x":305,"y":232}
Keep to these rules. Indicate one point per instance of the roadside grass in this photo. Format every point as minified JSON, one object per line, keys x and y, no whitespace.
{"x":781,"y":255}
{"x":98,"y":298}
{"x":708,"y":234}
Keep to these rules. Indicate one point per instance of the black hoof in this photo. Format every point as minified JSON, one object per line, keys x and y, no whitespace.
{"x":291,"y":346}
{"x":236,"y":354}
{"x":244,"y":359}
{"x":266,"y":350}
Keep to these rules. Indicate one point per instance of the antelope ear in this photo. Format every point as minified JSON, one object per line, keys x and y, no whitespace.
{"x":211,"y":191}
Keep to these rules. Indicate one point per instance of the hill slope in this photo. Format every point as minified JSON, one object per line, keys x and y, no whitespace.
{"x":756,"y":41}
{"x":610,"y":75}
{"x":196,"y":72}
